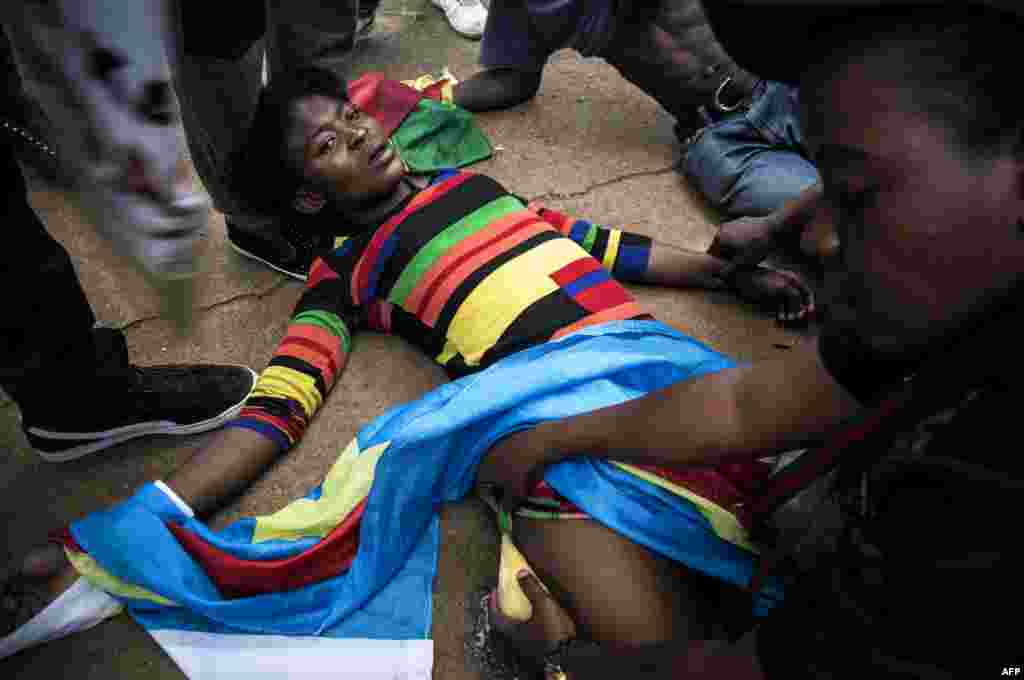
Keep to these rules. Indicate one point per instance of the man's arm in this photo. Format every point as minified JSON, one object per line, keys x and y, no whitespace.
{"x":744,"y":412}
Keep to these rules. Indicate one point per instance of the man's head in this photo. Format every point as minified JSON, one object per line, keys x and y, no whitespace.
{"x":910,"y":114}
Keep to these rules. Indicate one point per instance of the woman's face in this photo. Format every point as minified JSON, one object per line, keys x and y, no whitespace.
{"x":341,"y":150}
{"x":926,"y":233}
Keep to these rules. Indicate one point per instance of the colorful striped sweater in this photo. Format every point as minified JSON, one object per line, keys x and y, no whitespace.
{"x":466,"y":271}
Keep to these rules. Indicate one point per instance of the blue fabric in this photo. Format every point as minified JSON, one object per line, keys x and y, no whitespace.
{"x":752,"y":163}
{"x":436,"y":443}
{"x":659,"y":520}
{"x":586,"y":281}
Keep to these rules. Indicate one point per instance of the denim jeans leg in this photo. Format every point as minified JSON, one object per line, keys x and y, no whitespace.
{"x":751,"y":164}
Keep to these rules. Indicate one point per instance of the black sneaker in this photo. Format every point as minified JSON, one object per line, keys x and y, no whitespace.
{"x":290,"y":251}
{"x":130,"y":402}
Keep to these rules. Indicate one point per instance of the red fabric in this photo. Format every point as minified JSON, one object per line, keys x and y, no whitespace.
{"x":235,"y":577}
{"x":574,"y":270}
{"x":387,"y":101}
{"x":320,"y":271}
{"x":64,"y":538}
{"x":728,"y":486}
{"x":361,"y":272}
{"x":605,"y":295}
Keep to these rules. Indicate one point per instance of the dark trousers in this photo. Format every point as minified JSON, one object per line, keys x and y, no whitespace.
{"x":50,"y":355}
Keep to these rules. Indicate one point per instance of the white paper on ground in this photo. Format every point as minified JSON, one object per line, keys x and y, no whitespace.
{"x":208,"y":656}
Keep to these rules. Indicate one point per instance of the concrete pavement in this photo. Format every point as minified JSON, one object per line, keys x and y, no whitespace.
{"x":590,"y":144}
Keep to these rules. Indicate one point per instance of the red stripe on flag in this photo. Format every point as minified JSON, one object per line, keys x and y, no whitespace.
{"x":235,"y":577}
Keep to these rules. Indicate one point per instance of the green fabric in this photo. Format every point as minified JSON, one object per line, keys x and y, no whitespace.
{"x":480,"y":218}
{"x":438,"y":136}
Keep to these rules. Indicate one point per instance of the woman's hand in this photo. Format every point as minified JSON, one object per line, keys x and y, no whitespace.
{"x":784,"y":291}
{"x":516,"y":463}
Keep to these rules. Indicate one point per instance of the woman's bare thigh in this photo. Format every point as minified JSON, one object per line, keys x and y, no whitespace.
{"x":617,"y":591}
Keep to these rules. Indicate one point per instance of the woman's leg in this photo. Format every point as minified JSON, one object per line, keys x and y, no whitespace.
{"x":618,"y":593}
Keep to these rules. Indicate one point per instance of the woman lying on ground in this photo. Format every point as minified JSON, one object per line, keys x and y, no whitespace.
{"x":476,"y":277}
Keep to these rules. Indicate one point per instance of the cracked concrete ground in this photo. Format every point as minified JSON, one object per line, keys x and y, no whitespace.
{"x":590,"y":144}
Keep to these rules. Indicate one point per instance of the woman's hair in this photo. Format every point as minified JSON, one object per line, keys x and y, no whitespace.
{"x":261,"y":173}
{"x":957,"y":60}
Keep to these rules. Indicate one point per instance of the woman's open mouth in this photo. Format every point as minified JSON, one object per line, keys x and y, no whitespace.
{"x":381,"y":155}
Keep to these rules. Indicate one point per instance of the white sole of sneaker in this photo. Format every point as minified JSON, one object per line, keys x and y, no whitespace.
{"x":251,"y":256}
{"x":119,"y":435}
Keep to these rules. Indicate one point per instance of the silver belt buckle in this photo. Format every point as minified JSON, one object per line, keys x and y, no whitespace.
{"x":724,"y":108}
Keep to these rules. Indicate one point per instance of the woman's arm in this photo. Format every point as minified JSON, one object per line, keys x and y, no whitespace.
{"x":634,"y":258}
{"x":300,"y":375}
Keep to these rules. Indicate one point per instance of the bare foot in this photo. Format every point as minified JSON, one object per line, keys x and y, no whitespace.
{"x":549,"y":626}
{"x":26,"y":589}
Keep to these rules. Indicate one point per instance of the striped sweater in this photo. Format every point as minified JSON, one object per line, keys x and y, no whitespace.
{"x":466,"y":271}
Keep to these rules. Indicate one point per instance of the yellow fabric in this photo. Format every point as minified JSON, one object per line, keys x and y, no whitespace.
{"x":503,"y":296}
{"x":425,"y":81}
{"x":104,"y":580}
{"x":612,"y":251}
{"x":723,"y":522}
{"x":281,"y":382}
{"x":345,"y":486}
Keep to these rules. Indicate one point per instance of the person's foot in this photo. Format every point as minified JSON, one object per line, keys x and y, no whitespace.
{"x":29,"y":587}
{"x":495,"y":89}
{"x":287,"y":250}
{"x":134,"y":402}
{"x":467,"y":17}
{"x":548,"y":628}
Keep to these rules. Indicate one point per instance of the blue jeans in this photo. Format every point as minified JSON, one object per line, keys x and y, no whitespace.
{"x":751,"y":163}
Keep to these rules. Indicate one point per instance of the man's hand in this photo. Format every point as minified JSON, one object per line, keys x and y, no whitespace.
{"x":516,"y":463}
{"x":747,"y":240}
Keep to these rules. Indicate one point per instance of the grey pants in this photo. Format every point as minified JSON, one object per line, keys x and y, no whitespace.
{"x":218,"y":96}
